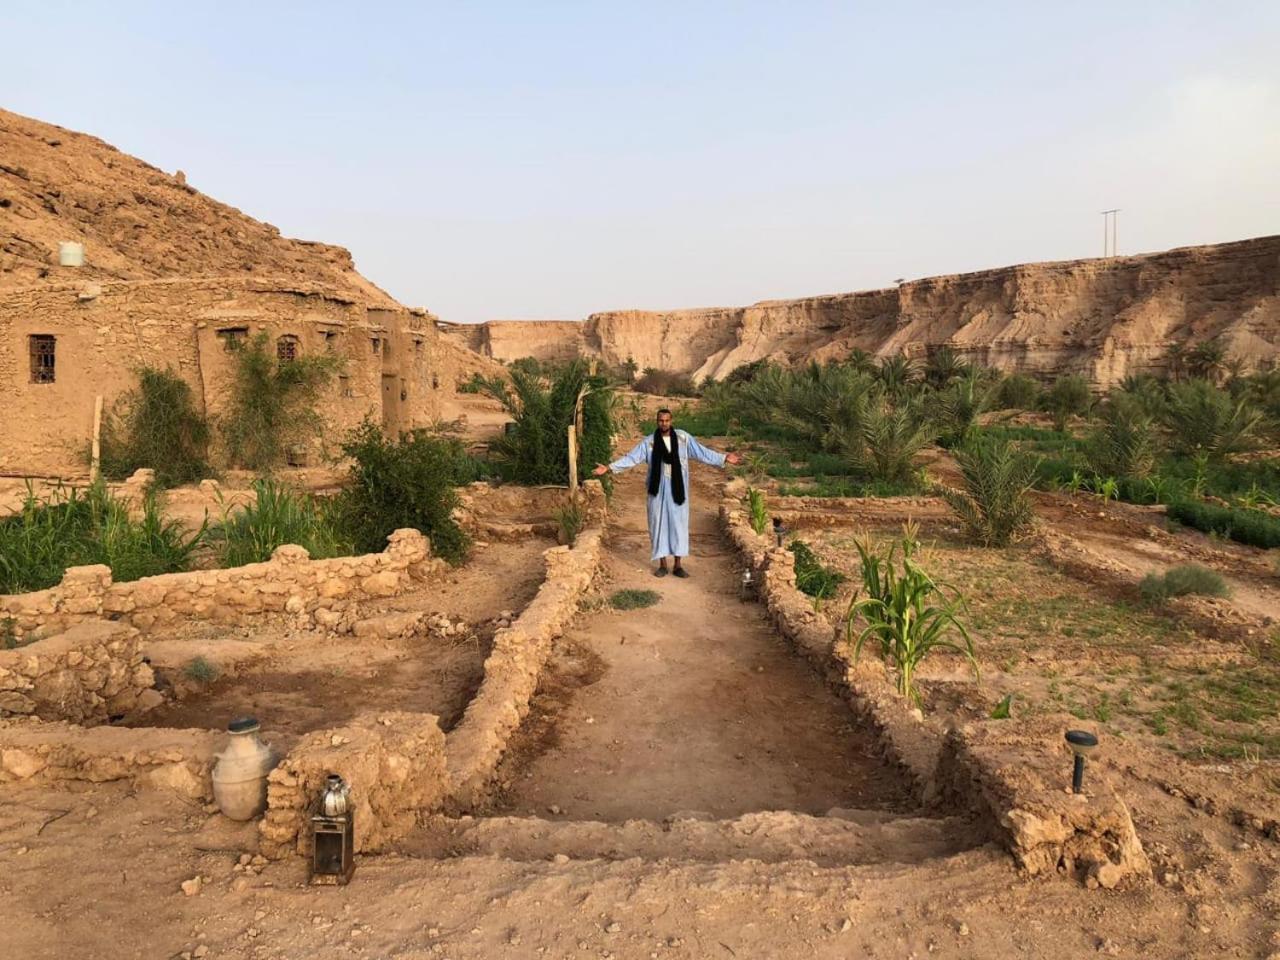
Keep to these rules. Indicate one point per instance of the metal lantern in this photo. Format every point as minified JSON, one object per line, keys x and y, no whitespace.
{"x":1082,"y":744}
{"x":333,"y":834}
{"x":747,"y":586}
{"x":779,"y":530}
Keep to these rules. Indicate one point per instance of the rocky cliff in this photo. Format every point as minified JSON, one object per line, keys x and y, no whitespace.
{"x":1104,"y":318}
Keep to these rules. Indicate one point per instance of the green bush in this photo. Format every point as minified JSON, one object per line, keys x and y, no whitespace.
{"x":273,"y":403}
{"x":956,"y":408}
{"x":1125,"y":443}
{"x":759,"y":512}
{"x":1204,"y":419}
{"x":71,"y":529}
{"x":536,"y":448}
{"x":811,"y":576}
{"x":571,"y":519}
{"x":200,"y":670}
{"x":1017,"y":392}
{"x":1069,"y":396}
{"x":1253,"y":527}
{"x":156,"y":425}
{"x":408,"y":482}
{"x":888,"y":442}
{"x":942,"y":366}
{"x":995,"y":505}
{"x":474,"y":384}
{"x":1180,"y":581}
{"x":279,"y":516}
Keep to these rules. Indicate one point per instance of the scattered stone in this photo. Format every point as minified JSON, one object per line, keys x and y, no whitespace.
{"x":613,"y":927}
{"x":200,"y":951}
{"x":561,"y":858}
{"x":846,"y":925}
{"x":554,"y":810}
{"x":963,"y":930}
{"x":191,"y":887}
{"x":1109,"y":947}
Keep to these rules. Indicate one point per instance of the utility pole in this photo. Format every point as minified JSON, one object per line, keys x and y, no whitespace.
{"x":1112,"y":215}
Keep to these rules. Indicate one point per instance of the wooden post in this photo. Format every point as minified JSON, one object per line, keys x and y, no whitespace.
{"x":95,"y":464}
{"x":573,"y":459}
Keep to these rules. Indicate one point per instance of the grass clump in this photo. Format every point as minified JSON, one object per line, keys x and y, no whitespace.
{"x":759,"y":512}
{"x":74,"y":528}
{"x":407,"y":482}
{"x":1254,"y":527}
{"x":1180,"y":581}
{"x":1017,"y":392}
{"x":665,"y":383}
{"x":995,"y":505}
{"x":156,"y":425}
{"x":812,"y":577}
{"x":278,"y":516}
{"x":907,"y":612}
{"x":273,"y":403}
{"x":201,"y":670}
{"x":633,"y":599}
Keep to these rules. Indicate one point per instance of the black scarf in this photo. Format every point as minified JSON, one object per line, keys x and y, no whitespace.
{"x":660,"y":456}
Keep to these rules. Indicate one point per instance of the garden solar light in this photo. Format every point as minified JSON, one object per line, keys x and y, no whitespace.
{"x":779,"y":530}
{"x":1082,"y":744}
{"x":748,"y":588}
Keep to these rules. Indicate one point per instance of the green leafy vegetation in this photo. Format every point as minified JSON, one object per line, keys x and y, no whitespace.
{"x":633,"y":599}
{"x":812,"y":577}
{"x":156,"y":425}
{"x":1017,"y":392}
{"x":758,"y":510}
{"x":201,"y":670}
{"x":665,"y":383}
{"x":907,"y":612}
{"x":278,"y":516}
{"x":1068,"y":397}
{"x":995,"y":505}
{"x":571,"y":518}
{"x":69,"y":528}
{"x":1254,"y":527}
{"x":1180,"y":581}
{"x":273,"y":403}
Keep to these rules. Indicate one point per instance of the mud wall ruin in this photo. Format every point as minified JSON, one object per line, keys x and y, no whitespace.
{"x":1102,"y":318}
{"x":396,"y":369}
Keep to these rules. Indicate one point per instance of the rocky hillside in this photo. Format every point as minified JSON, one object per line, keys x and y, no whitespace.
{"x":1102,"y":318}
{"x":136,"y":222}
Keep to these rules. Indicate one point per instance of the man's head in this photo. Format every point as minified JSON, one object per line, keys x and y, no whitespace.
{"x":664,"y":420}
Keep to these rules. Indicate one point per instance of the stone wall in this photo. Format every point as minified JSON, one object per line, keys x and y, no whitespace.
{"x":1010,"y":776}
{"x":505,"y":511}
{"x":314,"y":592}
{"x":91,"y":672}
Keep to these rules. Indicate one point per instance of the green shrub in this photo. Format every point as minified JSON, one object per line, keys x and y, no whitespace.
{"x":634,"y":599}
{"x":536,"y":448}
{"x":907,"y":612}
{"x":571,"y":519}
{"x":1017,"y":392}
{"x":474,"y":384}
{"x":70,"y":529}
{"x":759,"y":512}
{"x":665,"y":383}
{"x":956,"y":409}
{"x":1125,"y":443}
{"x":278,"y":516}
{"x":156,"y":425}
{"x":1180,"y":581}
{"x":811,"y":576}
{"x":1253,"y":527}
{"x":996,"y":503}
{"x":409,"y":482}
{"x":273,"y":403}
{"x":1204,"y":419}
{"x":201,"y":670}
{"x":942,"y":366}
{"x":1069,"y":396}
{"x":889,"y":441}
{"x":898,"y":374}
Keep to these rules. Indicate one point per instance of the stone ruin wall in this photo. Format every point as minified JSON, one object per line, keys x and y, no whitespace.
{"x":1104,"y":319}
{"x":314,"y":592}
{"x":104,"y":331}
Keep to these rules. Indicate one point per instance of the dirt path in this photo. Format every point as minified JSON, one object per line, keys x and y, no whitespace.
{"x":698,"y":705}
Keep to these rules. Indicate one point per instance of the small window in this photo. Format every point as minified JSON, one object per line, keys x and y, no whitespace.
{"x":344,"y":387}
{"x":417,"y":346}
{"x":233,"y":337}
{"x":435,"y":382}
{"x":377,"y":346}
{"x":42,"y":347}
{"x":330,"y":340}
{"x":287,"y":348}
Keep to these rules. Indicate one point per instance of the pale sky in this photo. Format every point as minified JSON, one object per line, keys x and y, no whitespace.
{"x":550,"y":159}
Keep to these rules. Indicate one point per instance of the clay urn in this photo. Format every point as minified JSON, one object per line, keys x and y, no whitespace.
{"x":240,"y":775}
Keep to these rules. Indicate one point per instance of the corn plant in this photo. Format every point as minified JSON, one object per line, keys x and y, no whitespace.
{"x":759,"y":514}
{"x":907,"y":612}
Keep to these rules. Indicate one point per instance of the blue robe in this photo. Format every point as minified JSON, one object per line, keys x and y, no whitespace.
{"x":669,"y":522}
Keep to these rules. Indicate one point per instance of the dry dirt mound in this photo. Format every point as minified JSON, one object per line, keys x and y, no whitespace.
{"x":136,"y":221}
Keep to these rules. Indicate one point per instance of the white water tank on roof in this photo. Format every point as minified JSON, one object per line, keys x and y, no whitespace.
{"x":71,"y":253}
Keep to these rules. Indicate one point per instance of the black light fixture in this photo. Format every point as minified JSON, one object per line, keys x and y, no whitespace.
{"x":333,"y":832}
{"x":1082,"y":743}
{"x":779,"y":530}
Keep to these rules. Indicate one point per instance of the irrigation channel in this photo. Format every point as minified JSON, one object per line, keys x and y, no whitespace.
{"x":690,"y":729}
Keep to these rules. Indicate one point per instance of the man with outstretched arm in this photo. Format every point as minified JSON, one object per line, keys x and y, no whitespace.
{"x":668,"y":452}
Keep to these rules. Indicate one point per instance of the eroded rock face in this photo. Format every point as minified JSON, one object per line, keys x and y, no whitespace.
{"x":1105,"y":319}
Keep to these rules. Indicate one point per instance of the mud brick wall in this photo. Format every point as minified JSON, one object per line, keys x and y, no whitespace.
{"x":91,"y":672}
{"x":393,"y":762}
{"x":509,"y":512}
{"x":318,"y":592}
